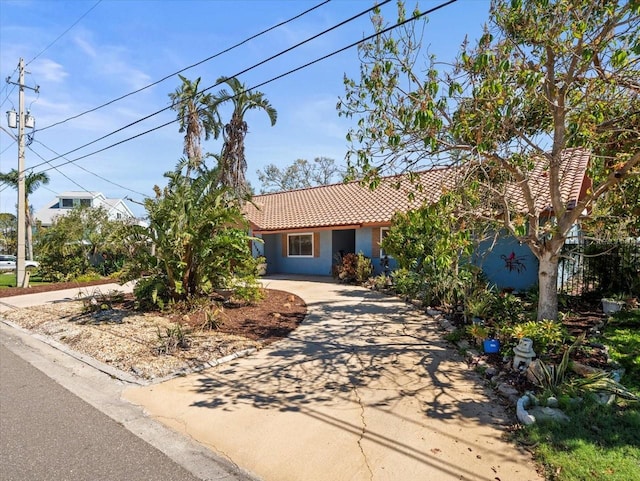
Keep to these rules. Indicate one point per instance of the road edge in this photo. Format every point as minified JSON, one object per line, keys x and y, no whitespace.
{"x":103,"y":391}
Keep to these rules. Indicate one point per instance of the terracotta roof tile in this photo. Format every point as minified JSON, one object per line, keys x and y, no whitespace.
{"x":349,"y":204}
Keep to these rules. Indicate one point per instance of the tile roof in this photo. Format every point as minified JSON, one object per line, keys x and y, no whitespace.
{"x":350,"y":204}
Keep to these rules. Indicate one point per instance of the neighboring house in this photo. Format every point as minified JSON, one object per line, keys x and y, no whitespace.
{"x":303,"y":230}
{"x":116,"y":208}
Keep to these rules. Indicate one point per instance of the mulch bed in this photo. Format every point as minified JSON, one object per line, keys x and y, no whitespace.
{"x":19,"y":291}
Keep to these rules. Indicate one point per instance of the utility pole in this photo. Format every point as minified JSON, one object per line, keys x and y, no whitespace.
{"x":22,"y":230}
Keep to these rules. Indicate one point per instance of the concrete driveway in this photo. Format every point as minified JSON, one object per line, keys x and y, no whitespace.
{"x":365,"y":389}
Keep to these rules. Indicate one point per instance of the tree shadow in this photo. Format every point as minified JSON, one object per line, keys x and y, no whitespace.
{"x":378,"y":344}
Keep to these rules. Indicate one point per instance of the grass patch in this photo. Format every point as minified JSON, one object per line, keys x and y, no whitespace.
{"x":8,"y":279}
{"x":600,"y":442}
{"x":622,"y":335}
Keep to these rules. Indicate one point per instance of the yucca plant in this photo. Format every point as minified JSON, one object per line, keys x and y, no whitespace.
{"x":553,"y":378}
{"x":603,"y":382}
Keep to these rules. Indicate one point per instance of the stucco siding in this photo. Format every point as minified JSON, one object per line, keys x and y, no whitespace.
{"x":509,"y":265}
{"x":277,"y":263}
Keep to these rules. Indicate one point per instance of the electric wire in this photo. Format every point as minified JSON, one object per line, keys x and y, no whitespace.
{"x":370,"y":37}
{"x":65,"y":32}
{"x":47,"y":48}
{"x":188,"y":67}
{"x":13,"y":87}
{"x":60,"y":172}
{"x":90,"y":172}
{"x":8,"y":146}
{"x":236,"y":75}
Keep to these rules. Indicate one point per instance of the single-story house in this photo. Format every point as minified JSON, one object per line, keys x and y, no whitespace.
{"x":115,"y":208}
{"x":303,"y":230}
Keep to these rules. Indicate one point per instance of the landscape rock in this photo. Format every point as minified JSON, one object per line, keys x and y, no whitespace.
{"x":546,"y":413}
{"x":584,"y":370}
{"x":508,"y":391}
{"x":534,"y":371}
{"x":552,"y":402}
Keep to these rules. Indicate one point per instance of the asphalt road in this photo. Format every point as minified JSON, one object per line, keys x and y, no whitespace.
{"x":47,"y":433}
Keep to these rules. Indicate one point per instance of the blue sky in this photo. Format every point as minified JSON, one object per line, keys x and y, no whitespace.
{"x":122,"y":45}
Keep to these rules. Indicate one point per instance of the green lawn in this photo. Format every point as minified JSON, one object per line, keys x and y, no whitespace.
{"x":600,"y":442}
{"x":8,"y":279}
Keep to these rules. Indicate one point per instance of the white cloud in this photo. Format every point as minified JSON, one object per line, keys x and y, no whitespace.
{"x":85,"y":46}
{"x":47,"y":70}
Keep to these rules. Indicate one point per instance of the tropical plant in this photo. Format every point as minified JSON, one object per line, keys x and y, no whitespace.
{"x":32,"y":180}
{"x":547,"y":82}
{"x":478,"y":331}
{"x":8,"y":233}
{"x":200,"y":240}
{"x":545,"y":334}
{"x":174,"y":337}
{"x":78,"y":243}
{"x":553,"y":378}
{"x":232,"y":160}
{"x":197,"y":117}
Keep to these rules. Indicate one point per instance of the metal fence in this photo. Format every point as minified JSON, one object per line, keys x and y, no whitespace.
{"x":600,"y":267}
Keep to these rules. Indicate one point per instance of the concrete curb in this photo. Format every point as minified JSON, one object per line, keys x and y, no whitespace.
{"x":88,"y":360}
{"x":118,"y":374}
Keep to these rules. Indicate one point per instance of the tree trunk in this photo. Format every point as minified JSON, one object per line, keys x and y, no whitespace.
{"x":548,"y":285}
{"x":29,"y":234}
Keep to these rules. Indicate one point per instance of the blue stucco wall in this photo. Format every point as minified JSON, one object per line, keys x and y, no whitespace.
{"x":364,"y":244}
{"x":509,"y":265}
{"x":277,"y":264}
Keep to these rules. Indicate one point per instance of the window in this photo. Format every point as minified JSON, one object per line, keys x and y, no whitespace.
{"x":384,"y":232}
{"x":67,"y":203}
{"x":85,"y":202}
{"x":300,"y":245}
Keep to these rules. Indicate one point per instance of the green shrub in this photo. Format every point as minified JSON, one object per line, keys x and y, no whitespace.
{"x":545,"y":334}
{"x":356,"y":268}
{"x":151,"y":292}
{"x":407,"y":283}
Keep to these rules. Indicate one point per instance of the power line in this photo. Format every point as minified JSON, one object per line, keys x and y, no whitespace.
{"x":190,"y":66}
{"x":86,"y":170}
{"x":65,"y":32}
{"x":59,"y":171}
{"x":235,"y":75}
{"x":319,"y":59}
{"x":48,"y":47}
{"x":8,"y":146}
{"x":10,"y":91}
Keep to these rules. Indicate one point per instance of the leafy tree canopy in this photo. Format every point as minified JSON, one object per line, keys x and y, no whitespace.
{"x":77,"y":243}
{"x":300,"y":174}
{"x":546,"y":75}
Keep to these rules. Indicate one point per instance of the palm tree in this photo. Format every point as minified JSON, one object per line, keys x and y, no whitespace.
{"x":32,"y":181}
{"x":233,"y":164}
{"x":197,"y":117}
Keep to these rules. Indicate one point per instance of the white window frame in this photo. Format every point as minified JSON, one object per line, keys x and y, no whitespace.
{"x":300,"y":234}
{"x":382,"y":253}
